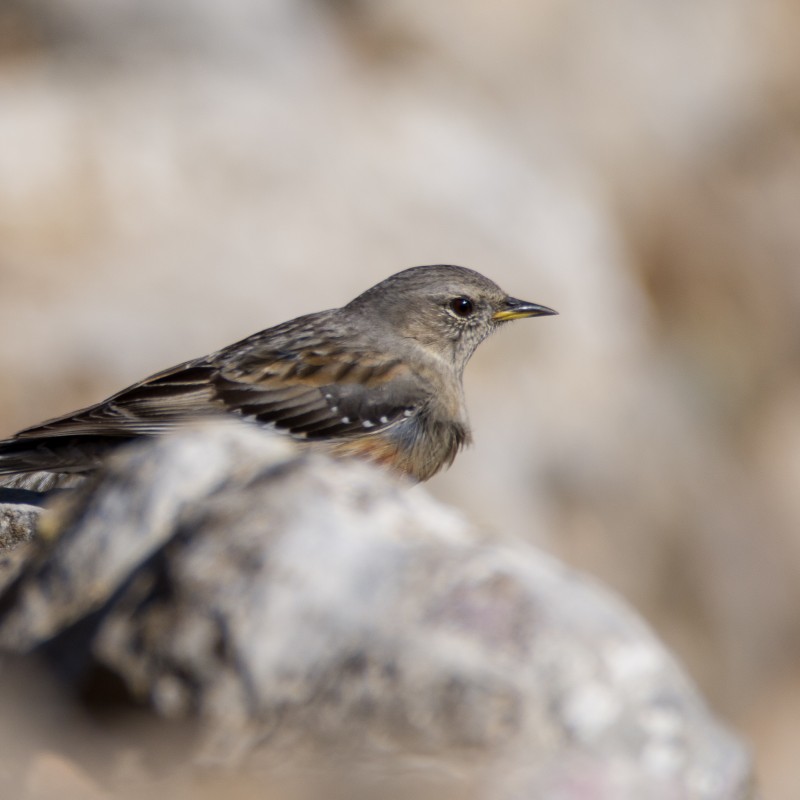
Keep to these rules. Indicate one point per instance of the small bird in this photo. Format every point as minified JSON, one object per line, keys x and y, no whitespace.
{"x":379,"y":378}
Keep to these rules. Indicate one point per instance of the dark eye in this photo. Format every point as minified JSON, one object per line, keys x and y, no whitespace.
{"x":462,"y":306}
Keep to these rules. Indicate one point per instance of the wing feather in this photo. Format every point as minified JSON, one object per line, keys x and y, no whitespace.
{"x":308,"y":393}
{"x":153,"y":406}
{"x":357,"y":394}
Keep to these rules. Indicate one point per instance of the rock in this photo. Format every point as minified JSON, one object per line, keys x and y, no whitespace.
{"x":17,"y":524}
{"x":304,"y":611}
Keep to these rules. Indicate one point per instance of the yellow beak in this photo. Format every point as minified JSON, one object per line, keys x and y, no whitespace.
{"x":517,"y":309}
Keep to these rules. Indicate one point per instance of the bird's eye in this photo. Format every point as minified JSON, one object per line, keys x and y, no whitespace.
{"x":462,"y":306}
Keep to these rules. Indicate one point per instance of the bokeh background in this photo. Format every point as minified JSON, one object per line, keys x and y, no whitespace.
{"x":174,"y":176}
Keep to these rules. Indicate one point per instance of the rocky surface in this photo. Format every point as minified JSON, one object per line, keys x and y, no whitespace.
{"x":17,"y":522}
{"x":296,"y":611}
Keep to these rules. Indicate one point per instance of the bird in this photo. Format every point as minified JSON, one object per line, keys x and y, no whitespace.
{"x":379,"y":378}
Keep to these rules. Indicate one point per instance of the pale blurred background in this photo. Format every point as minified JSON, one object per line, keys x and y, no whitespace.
{"x":174,"y":176}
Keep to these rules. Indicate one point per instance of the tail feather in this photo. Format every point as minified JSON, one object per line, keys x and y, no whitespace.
{"x":55,"y":453}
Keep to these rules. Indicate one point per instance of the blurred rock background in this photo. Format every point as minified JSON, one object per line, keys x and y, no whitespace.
{"x":176,"y":176}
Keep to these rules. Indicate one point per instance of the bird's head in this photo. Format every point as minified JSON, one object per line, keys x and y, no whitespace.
{"x":449,"y":310}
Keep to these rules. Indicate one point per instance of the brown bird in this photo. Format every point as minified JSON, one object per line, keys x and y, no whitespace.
{"x":379,"y":378}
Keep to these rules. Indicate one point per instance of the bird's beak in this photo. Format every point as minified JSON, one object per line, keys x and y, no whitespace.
{"x":516,"y":309}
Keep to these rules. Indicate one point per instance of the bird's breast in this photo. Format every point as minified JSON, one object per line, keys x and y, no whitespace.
{"x":418,"y":447}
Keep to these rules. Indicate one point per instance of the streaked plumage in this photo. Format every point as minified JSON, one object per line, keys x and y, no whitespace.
{"x":379,"y":377}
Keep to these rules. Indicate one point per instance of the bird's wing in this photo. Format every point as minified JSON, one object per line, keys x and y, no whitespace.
{"x":313,"y":394}
{"x":79,"y":441}
{"x":305,"y":393}
{"x":152,"y":406}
